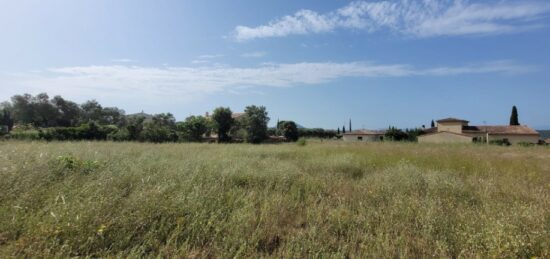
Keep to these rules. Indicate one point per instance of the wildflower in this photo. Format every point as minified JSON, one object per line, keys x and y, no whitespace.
{"x":101,"y":229}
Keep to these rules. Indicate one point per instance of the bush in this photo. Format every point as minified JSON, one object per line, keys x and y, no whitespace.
{"x":301,"y":142}
{"x":25,"y":135}
{"x":64,"y":165}
{"x":525,"y":144}
{"x":158,"y":134}
{"x":316,"y":133}
{"x":289,"y":130}
{"x":89,"y":131}
{"x":500,"y":142}
{"x":119,"y":135}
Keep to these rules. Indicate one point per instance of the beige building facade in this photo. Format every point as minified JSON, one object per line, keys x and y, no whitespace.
{"x":364,"y":136}
{"x":453,"y":130}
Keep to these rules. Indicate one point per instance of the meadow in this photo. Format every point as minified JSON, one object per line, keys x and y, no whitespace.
{"x":322,"y":199}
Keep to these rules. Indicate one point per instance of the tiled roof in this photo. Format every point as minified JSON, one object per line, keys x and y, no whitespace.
{"x":451,"y":120}
{"x":493,"y":130}
{"x":430,"y":130}
{"x":501,"y":130}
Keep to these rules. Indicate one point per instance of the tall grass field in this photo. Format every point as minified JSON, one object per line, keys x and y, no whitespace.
{"x":322,"y":199}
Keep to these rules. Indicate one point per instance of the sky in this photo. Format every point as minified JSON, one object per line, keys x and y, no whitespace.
{"x":319,"y":63}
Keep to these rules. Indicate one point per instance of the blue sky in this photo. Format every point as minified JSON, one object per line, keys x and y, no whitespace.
{"x":319,"y":63}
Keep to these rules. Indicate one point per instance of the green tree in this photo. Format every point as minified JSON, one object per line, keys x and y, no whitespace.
{"x":344,"y":129}
{"x":433,"y":124}
{"x":91,"y":111}
{"x":289,"y":130}
{"x":6,"y":114}
{"x":164,"y":120}
{"x":161,"y":128}
{"x":514,"y":120}
{"x":135,"y":127}
{"x":113,"y":116}
{"x":223,"y":121}
{"x":23,"y":111}
{"x":46,"y":113}
{"x":158,"y":134}
{"x":69,"y":112}
{"x":193,"y":128}
{"x":395,"y":134}
{"x":338,"y":131}
{"x":256,"y":123}
{"x":36,"y":110}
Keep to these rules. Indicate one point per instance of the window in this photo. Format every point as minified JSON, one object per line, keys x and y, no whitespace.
{"x":360,"y":138}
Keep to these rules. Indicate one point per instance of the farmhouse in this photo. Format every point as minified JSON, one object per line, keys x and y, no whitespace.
{"x":364,"y":135}
{"x":452,"y":130}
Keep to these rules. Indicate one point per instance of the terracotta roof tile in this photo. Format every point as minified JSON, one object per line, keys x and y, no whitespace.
{"x":451,"y":120}
{"x":501,"y":130}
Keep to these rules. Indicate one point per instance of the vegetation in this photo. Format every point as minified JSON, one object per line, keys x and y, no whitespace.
{"x":317,"y":133}
{"x":256,"y":123}
{"x":289,"y":130}
{"x":325,"y":199}
{"x":193,"y":128}
{"x":395,"y":134}
{"x":514,"y":120}
{"x":223,"y":122}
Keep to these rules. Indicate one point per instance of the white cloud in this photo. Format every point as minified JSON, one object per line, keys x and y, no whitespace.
{"x":200,"y":61}
{"x":256,"y":54}
{"x":210,"y":56}
{"x":122,"y":60}
{"x":118,"y":80}
{"x":422,"y":18}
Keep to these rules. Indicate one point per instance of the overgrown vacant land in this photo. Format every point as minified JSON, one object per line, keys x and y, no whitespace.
{"x":331,"y":198}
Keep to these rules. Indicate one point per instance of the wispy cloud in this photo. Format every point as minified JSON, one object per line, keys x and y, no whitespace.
{"x":426,"y":18}
{"x":206,"y":59}
{"x":256,"y":54}
{"x":123,"y":60}
{"x":193,"y":81}
{"x":210,"y":56}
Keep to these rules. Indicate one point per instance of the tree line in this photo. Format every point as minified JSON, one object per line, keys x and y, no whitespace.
{"x":41,"y":117}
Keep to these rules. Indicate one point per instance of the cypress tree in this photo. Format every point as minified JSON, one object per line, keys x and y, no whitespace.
{"x":344,"y":129}
{"x":350,"y":125}
{"x":338,"y":132}
{"x":433,"y":124}
{"x":514,"y":121}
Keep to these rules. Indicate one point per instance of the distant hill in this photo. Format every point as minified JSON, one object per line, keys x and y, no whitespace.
{"x":544,"y":134}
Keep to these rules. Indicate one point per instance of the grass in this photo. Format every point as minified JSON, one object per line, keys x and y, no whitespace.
{"x":324,"y":199}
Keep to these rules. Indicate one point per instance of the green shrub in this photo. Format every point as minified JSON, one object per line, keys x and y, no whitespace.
{"x":119,"y":135}
{"x":25,"y":135}
{"x":301,"y":142}
{"x":500,"y":142}
{"x":67,"y":164}
{"x":158,"y":134}
{"x":525,"y":144}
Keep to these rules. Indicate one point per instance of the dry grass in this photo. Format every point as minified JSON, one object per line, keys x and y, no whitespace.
{"x":326,"y":199}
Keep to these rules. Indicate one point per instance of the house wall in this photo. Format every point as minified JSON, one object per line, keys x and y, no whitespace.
{"x":366,"y":138}
{"x":444,"y":137}
{"x":514,"y":139}
{"x":455,"y":127}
